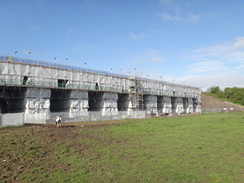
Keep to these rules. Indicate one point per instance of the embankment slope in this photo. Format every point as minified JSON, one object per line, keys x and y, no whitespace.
{"x":209,"y":102}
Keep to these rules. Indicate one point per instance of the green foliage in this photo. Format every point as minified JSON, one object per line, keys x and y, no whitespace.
{"x":215,"y":89}
{"x":235,"y":95}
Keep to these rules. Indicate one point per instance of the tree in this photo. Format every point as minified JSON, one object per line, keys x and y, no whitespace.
{"x":215,"y":89}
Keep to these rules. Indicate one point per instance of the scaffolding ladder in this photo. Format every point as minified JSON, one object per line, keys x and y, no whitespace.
{"x":135,"y":94}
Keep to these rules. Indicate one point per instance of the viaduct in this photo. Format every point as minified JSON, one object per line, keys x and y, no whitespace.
{"x":34,"y":87}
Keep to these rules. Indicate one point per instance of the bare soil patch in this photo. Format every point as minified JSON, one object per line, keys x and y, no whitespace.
{"x":25,"y":149}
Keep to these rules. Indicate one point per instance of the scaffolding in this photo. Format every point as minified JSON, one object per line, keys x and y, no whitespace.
{"x":135,"y":94}
{"x":57,"y":87}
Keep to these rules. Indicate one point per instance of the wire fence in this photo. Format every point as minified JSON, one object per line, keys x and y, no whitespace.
{"x":19,"y":119}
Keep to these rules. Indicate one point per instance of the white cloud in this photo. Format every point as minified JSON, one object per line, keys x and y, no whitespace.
{"x":169,"y":17}
{"x":222,"y":80}
{"x":206,"y":67}
{"x":150,"y":55}
{"x":220,"y":65}
{"x":194,"y":18}
{"x":239,"y":44}
{"x":35,"y":28}
{"x":157,"y":59}
{"x":137,"y":37}
{"x":228,"y":52}
{"x":178,"y":18}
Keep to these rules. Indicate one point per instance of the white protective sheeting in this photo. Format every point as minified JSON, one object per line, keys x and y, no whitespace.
{"x":167,"y":106}
{"x":150,"y":98}
{"x":79,"y":94}
{"x":109,"y":104}
{"x":11,"y":119}
{"x":74,"y":76}
{"x":37,"y":101}
{"x":4,"y":68}
{"x":36,"y":111}
{"x":78,"y":102}
{"x":150,"y":104}
{"x":36,"y":118}
{"x":110,"y":96}
{"x":38,"y":93}
{"x":78,"y":112}
{"x":190,"y":105}
{"x":179,"y":109}
{"x":14,"y":73}
{"x":109,"y":111}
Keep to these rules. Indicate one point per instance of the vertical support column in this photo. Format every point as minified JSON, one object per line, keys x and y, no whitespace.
{"x":150,"y":103}
{"x":37,"y":101}
{"x":173,"y":104}
{"x":95,"y":101}
{"x":190,"y":105}
{"x":197,"y":104}
{"x":160,"y":102}
{"x":185,"y":105}
{"x":167,"y":105}
{"x":110,"y":106}
{"x":78,"y":102}
{"x":123,"y":102}
{"x":179,"y":107}
{"x":37,"y":105}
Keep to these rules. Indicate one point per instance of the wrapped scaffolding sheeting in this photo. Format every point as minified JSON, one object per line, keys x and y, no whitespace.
{"x":123,"y":102}
{"x":190,"y":105}
{"x":177,"y":105}
{"x":101,"y":91}
{"x":78,"y":102}
{"x":37,"y":102}
{"x":150,"y":103}
{"x":198,"y":107}
{"x":109,"y":104}
{"x":167,"y":105}
{"x":111,"y":111}
{"x":38,"y":93}
{"x":160,"y":105}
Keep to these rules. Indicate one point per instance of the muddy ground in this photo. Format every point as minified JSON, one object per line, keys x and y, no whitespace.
{"x":33,"y":146}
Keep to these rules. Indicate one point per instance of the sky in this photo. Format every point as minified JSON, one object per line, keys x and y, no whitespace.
{"x":192,"y":42}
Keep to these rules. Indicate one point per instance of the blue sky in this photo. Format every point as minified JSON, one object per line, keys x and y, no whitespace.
{"x":193,"y":42}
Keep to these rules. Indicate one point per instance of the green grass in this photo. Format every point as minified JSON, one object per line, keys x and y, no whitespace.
{"x":204,"y":148}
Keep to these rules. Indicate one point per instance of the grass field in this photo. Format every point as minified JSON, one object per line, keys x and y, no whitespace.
{"x":202,"y":148}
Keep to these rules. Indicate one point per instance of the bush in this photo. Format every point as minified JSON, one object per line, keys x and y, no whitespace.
{"x":235,"y":95}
